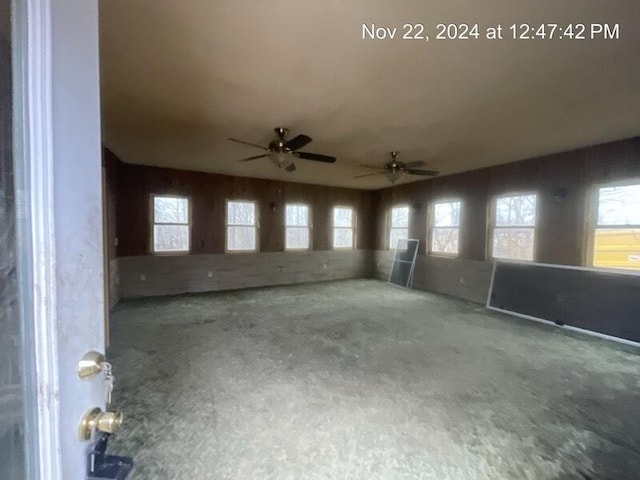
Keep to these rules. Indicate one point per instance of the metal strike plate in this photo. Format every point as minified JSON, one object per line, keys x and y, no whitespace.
{"x":91,"y":364}
{"x":101,"y":466}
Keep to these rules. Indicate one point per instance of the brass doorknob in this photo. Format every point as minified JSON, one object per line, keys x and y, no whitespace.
{"x":97,"y":420}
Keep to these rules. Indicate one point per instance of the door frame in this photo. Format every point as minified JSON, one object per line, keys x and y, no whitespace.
{"x":56,"y":142}
{"x":33,"y":158}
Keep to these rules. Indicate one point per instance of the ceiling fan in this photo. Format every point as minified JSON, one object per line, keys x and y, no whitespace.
{"x":283,"y":152}
{"x":395,"y":169}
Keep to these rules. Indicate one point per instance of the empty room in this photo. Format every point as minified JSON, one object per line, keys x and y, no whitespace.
{"x":320,"y":240}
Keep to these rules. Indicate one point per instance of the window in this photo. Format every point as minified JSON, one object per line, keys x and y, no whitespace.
{"x":343,"y":227}
{"x":617,"y":234}
{"x":171,"y":224}
{"x":241,"y":226}
{"x":445,"y":228}
{"x":398,"y":225}
{"x":514,"y":227}
{"x":297,"y":227}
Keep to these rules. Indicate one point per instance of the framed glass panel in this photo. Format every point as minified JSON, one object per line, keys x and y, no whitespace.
{"x":343,"y":227}
{"x":171,"y":224}
{"x":297,"y":225}
{"x":514,"y":227}
{"x":241,"y":226}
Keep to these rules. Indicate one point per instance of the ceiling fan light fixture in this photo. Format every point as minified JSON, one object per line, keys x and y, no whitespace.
{"x":281,"y":159}
{"x":393,"y":175}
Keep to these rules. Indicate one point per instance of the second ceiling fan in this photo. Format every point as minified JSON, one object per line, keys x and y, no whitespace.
{"x":394,"y":169}
{"x":283,"y":152}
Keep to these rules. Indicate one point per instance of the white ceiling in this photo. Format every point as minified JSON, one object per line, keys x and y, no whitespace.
{"x":179,"y":77}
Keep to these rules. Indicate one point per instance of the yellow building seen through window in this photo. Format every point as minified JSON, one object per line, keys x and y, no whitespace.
{"x":617,"y":233}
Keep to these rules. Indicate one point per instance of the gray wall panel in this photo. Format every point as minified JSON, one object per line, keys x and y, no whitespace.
{"x":164,"y":275}
{"x":462,"y":278}
{"x":601,"y":301}
{"x":114,"y":282}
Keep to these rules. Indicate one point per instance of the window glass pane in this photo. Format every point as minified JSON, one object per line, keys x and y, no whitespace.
{"x":241,"y":213}
{"x":445,"y":240}
{"x":241,"y":238}
{"x":617,"y":248}
{"x":170,"y":210}
{"x":519,"y":210}
{"x":619,"y":205}
{"x":343,"y":237}
{"x":400,"y":217}
{"x":342,"y":217}
{"x":297,"y":237}
{"x":297,"y":216}
{"x":171,"y":238}
{"x":513,"y":243}
{"x":447,"y":214}
{"x":397,"y":234}
{"x":12,"y":372}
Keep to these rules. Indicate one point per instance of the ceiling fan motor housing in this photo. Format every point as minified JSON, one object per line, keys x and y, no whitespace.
{"x":278,"y":146}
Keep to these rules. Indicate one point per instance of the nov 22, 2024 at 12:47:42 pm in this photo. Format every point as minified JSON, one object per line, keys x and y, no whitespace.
{"x":475,"y":31}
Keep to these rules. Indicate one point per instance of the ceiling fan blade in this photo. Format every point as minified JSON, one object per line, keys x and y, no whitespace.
{"x":315,"y":156}
{"x":248,"y":143}
{"x":368,"y":174}
{"x":370,"y":166}
{"x":291,"y":168}
{"x":253,"y":158}
{"x":297,"y":142}
{"x":417,"y":163}
{"x":426,"y":173}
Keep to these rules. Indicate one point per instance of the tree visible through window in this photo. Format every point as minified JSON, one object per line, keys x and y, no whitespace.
{"x":241,"y":226}
{"x":398,"y":225}
{"x":445,"y":228}
{"x":170,"y":224}
{"x":617,"y":233}
{"x":297,"y":227}
{"x":343,"y":227}
{"x":514,"y":227}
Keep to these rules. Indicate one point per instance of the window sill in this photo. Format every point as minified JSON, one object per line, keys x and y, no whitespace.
{"x":176,"y":253}
{"x":443,"y":255}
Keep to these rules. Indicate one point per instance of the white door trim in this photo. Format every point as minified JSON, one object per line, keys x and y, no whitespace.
{"x":35,"y":182}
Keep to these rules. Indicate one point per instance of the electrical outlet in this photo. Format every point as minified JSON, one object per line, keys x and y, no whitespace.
{"x":143,"y":277}
{"x":210,"y":274}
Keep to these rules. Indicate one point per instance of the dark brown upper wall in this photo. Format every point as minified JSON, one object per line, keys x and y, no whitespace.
{"x":208,"y":192}
{"x":562,"y":227}
{"x":110,"y":173}
{"x":561,"y":230}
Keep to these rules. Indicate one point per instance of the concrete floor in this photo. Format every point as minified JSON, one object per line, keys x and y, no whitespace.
{"x":361,"y":380}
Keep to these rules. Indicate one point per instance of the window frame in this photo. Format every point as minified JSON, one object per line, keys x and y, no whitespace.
{"x":491,"y":225}
{"x":431,"y":217}
{"x":390,"y":227}
{"x":593,"y":197}
{"x":352,"y":228}
{"x":256,"y":225}
{"x":152,"y":224}
{"x":309,"y":227}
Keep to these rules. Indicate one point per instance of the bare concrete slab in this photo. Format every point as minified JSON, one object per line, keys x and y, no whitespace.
{"x":361,"y":380}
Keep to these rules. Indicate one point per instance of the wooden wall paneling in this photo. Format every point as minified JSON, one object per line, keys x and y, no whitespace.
{"x":208,"y":193}
{"x":561,"y":228}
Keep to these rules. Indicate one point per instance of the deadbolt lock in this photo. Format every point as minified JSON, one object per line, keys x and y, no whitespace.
{"x":97,"y":420}
{"x":91,"y":364}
